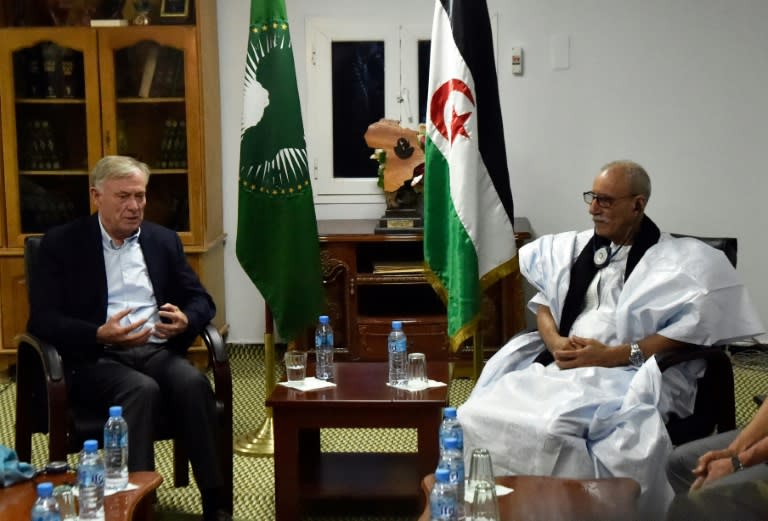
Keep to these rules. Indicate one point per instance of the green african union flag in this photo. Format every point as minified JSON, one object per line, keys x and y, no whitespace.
{"x":277,"y":242}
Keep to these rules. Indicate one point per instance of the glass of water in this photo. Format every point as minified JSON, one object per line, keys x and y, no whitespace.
{"x":417,"y":371}
{"x":295,"y":366}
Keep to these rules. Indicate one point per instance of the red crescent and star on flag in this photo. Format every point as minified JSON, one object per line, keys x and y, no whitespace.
{"x":437,"y":109}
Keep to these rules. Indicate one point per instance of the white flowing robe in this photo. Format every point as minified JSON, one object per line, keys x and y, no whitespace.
{"x":595,"y":421}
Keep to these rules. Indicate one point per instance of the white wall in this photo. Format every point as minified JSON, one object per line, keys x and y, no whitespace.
{"x":677,"y":85}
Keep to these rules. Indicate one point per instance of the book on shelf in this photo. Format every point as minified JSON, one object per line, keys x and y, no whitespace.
{"x":398,"y":267}
{"x":108,"y":22}
{"x":173,"y":144}
{"x":166,"y":142}
{"x":70,"y":74}
{"x":168,"y":76}
{"x":148,"y":76}
{"x":40,"y":151}
{"x":51,"y":63}
{"x":179,"y":149}
{"x":33,"y":75}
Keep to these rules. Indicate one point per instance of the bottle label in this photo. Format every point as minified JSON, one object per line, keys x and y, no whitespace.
{"x":323,"y":339}
{"x":456,"y":476}
{"x":44,"y":512}
{"x":454,"y":431}
{"x":399,"y":345}
{"x":443,"y":508}
{"x":91,"y":476}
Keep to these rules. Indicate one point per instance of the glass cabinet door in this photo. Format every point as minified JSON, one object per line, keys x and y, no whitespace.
{"x":50,"y":104}
{"x":147,"y":87}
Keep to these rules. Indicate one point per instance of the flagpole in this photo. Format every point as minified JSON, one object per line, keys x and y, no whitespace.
{"x":261,"y":442}
{"x":477,"y":353}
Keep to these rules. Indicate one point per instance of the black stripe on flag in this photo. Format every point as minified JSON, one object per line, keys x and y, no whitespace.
{"x":471,"y":27}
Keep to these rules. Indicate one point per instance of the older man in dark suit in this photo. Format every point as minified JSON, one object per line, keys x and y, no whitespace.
{"x":119,"y":300}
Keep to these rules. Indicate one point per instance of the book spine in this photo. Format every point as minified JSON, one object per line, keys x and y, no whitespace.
{"x":148,"y":77}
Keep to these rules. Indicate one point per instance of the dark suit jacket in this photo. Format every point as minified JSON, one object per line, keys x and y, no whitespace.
{"x":69,"y":294}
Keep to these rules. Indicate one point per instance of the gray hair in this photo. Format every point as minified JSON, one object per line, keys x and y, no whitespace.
{"x":113,"y":167}
{"x":639,"y":181}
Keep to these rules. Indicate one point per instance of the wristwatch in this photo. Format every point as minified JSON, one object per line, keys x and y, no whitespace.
{"x":736,"y":462}
{"x":636,"y":357}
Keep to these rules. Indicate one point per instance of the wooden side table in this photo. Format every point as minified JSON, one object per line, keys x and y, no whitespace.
{"x":132,"y":505}
{"x":348,"y":481}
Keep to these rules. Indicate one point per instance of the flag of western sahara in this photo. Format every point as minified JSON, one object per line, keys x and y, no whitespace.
{"x":469,"y":242}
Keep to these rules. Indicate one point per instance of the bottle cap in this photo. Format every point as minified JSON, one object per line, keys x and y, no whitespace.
{"x":90,"y":446}
{"x":449,"y":412}
{"x":443,"y":475}
{"x":115,"y":410}
{"x":397,"y":324}
{"x":45,"y":489}
{"x":323,"y":319}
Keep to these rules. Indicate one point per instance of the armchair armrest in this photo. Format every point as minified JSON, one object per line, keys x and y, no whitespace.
{"x":222,"y":372}
{"x":222,"y":388}
{"x":671,"y":357}
{"x":47,"y":354}
{"x":215,"y":344}
{"x":40,"y":386}
{"x":715,"y":407}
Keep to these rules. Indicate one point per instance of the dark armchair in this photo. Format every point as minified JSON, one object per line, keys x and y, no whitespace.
{"x":43,"y":406}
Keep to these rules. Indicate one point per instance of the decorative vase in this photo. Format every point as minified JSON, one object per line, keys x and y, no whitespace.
{"x":142,"y":13}
{"x":141,"y":18}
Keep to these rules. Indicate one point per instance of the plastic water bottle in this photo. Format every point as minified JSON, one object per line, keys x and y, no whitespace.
{"x":443,"y":502}
{"x":90,"y":482}
{"x":397,"y":345}
{"x":452,"y":459}
{"x":451,"y":428}
{"x":45,"y":508}
{"x":115,"y":450}
{"x":324,"y":349}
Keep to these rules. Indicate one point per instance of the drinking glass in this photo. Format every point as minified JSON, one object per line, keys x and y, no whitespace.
{"x":295,"y":365}
{"x":65,"y":497}
{"x":480,"y":470}
{"x":484,"y":505}
{"x":417,"y":371}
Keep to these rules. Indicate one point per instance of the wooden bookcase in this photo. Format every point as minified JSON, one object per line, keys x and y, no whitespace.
{"x":371,"y":279}
{"x":68,"y":96}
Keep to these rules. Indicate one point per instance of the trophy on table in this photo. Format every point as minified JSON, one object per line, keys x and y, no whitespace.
{"x":401,"y":168}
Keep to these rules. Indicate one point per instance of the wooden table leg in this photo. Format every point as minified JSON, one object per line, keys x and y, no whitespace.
{"x":428,"y":441}
{"x":286,"y":458}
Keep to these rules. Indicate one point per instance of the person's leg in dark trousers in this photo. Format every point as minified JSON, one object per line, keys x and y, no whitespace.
{"x":745,"y":500}
{"x":106,"y":382}
{"x":193,"y":406}
{"x":685,"y":458}
{"x":741,"y":495}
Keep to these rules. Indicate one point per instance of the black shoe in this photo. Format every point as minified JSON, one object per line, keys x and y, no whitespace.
{"x":219,"y":515}
{"x":212,"y":505}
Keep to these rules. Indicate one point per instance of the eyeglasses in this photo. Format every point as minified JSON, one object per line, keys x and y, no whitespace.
{"x":603,"y":201}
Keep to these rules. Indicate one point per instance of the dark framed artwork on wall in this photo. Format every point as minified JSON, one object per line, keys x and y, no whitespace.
{"x":176,"y":11}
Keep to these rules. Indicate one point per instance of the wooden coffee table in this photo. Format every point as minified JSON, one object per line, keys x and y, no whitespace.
{"x":16,"y":501}
{"x":354,"y":481}
{"x":548,"y":498}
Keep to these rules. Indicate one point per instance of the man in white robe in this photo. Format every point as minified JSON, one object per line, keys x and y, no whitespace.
{"x":608,"y":299}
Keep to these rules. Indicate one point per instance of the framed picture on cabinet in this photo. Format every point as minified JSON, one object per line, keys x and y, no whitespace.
{"x":175,"y":11}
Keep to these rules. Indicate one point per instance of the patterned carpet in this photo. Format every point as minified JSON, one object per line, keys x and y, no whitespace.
{"x":254,"y":477}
